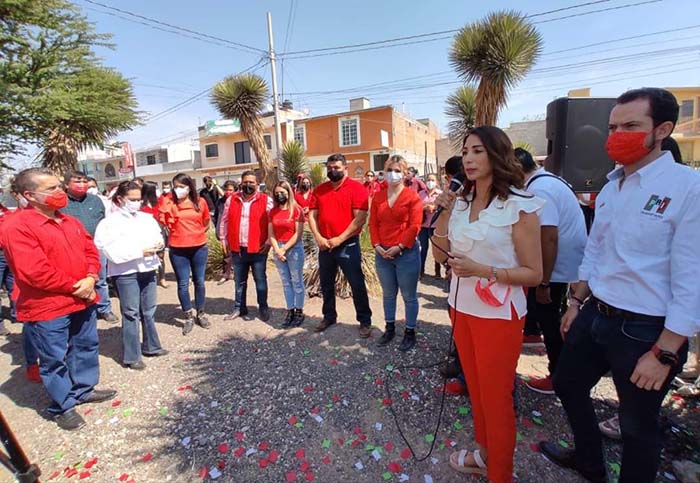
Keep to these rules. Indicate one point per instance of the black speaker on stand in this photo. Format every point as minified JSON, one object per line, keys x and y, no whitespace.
{"x":576,"y":130}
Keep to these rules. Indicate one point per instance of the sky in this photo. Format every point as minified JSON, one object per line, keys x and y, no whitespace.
{"x":167,"y":69}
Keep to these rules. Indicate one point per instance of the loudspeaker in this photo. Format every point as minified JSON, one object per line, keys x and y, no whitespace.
{"x":576,"y":130}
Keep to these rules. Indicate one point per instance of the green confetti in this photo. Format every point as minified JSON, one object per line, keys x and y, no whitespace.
{"x":110,"y":412}
{"x":615,"y":467}
{"x":128,"y":412}
{"x":163,"y":411}
{"x":458,"y":425}
{"x":369,"y":447}
{"x":386,"y":475}
{"x":307,"y":352}
{"x":299,"y":425}
{"x":430,"y":437}
{"x":58,"y":455}
{"x":389,"y":367}
{"x":367,"y":377}
{"x":326,"y":444}
{"x":442,"y":446}
{"x":537,"y":421}
{"x":463,"y":410}
{"x":563,"y":443}
{"x":329,"y":406}
{"x":401,"y":387}
{"x":518,"y":436}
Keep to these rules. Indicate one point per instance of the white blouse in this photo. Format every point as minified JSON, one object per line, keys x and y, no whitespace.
{"x":489,"y":240}
{"x":122,"y":238}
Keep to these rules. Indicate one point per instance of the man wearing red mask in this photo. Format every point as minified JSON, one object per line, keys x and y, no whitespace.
{"x":90,"y":211}
{"x":55,"y":264}
{"x":637,"y":301}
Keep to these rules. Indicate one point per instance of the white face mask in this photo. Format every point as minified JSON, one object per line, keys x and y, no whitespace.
{"x":93,"y":191}
{"x":166,"y":190}
{"x":132,"y":206}
{"x":431,"y":184}
{"x":22,"y":202}
{"x":393,"y":177}
{"x":181,"y":192}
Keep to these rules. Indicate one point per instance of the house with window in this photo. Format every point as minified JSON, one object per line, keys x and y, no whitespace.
{"x":687,"y":132}
{"x":366,"y":135}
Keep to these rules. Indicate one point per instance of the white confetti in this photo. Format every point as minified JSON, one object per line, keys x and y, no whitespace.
{"x":537,"y":414}
{"x":414,"y":397}
{"x":317,"y":418}
{"x":376,"y":455}
{"x":359,"y":466}
{"x":186,"y":441}
{"x":403,"y":477}
{"x":669,"y":476}
{"x":214,"y":404}
{"x":114,"y":420}
{"x":434,"y":460}
{"x":292,"y":344}
{"x":251,"y":451}
{"x":428,"y":478}
{"x":214,"y":473}
{"x":345,"y":402}
{"x":99,"y":421}
{"x":378,"y":426}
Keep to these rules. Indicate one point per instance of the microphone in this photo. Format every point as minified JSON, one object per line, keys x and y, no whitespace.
{"x":456,"y":184}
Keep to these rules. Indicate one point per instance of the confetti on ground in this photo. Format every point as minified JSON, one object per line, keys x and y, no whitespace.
{"x":359,"y":466}
{"x":404,"y":477}
{"x":428,"y":478}
{"x":429,"y":438}
{"x":387,"y":475}
{"x":290,"y":476}
{"x":214,"y":473}
{"x":326,"y":444}
{"x":147,"y":457}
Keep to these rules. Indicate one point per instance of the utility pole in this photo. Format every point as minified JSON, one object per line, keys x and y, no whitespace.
{"x":275,"y":103}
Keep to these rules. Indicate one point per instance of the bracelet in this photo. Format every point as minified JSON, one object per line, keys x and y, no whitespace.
{"x":574,"y":297}
{"x":493,"y":276}
{"x":437,"y":235}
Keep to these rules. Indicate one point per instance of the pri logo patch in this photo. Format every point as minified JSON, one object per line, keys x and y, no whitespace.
{"x":657,"y":205}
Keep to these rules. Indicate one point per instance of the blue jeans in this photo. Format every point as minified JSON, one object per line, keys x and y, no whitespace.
{"x":400,"y":273}
{"x":594,"y":345}
{"x":348,"y":258}
{"x":31,"y":354}
{"x":137,"y":298}
{"x":185,"y":261}
{"x":292,"y":275}
{"x":7,"y":282}
{"x":243,"y":262}
{"x":68,"y":357}
{"x":424,"y":237}
{"x":104,"y":305}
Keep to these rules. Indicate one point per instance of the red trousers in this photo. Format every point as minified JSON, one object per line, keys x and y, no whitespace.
{"x":488,"y":351}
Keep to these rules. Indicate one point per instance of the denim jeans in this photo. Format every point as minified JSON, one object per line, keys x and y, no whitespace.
{"x":137,"y":299}
{"x":348,"y":258}
{"x":68,"y":357}
{"x":31,"y":354}
{"x":104,"y":305}
{"x":424,"y":237}
{"x":594,"y":345}
{"x":292,"y":275}
{"x":400,"y":273}
{"x":185,"y":261}
{"x":243,"y":262}
{"x":547,"y":318}
{"x":7,"y":282}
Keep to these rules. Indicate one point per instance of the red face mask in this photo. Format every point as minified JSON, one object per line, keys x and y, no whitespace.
{"x":627,"y":147}
{"x":487,"y":296}
{"x":56,"y":200}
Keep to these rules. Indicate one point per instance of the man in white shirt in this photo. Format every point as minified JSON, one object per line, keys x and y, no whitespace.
{"x":640,"y":271}
{"x":563,"y":235}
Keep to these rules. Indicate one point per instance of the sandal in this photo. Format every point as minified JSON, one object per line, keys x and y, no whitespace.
{"x":458,"y":462}
{"x":611,"y":428}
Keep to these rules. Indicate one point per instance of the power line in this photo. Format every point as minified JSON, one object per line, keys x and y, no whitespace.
{"x":243,"y":47}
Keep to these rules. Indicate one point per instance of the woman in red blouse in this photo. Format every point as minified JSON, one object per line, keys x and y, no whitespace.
{"x":186,"y":216}
{"x":302,"y":197}
{"x":286,"y":227}
{"x":395,"y":219}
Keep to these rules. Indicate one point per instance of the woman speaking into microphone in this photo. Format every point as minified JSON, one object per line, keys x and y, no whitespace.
{"x":491,"y":232}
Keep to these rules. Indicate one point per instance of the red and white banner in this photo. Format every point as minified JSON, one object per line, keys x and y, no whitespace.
{"x":128,"y":155}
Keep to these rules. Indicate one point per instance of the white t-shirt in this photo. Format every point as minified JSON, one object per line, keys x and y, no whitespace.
{"x":562,"y":210}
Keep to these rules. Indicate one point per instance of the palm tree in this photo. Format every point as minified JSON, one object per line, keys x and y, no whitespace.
{"x":243,"y":97}
{"x":497,"y":52}
{"x":461,"y":110}
{"x":294,"y":160}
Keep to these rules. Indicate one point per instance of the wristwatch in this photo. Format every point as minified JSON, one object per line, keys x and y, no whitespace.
{"x":667,"y":358}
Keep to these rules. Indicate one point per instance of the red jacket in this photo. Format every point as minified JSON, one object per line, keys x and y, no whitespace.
{"x":257,"y":222}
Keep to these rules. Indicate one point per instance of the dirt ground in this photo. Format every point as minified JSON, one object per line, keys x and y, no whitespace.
{"x":248,"y":402}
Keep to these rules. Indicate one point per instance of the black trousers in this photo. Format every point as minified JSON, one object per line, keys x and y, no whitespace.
{"x":547,"y":318}
{"x":596,"y":344}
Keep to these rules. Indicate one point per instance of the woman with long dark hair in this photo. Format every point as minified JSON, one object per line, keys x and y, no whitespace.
{"x":303,"y":194}
{"x":491,"y":232}
{"x":186,"y":216}
{"x":149,"y":204}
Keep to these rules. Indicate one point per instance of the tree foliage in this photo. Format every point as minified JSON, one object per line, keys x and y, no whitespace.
{"x":461,"y":111}
{"x":317,"y":174}
{"x":293,"y":160}
{"x":497,"y":52}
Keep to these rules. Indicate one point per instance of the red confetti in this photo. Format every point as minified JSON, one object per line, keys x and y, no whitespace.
{"x":335,"y":398}
{"x":394,"y":467}
{"x":358,"y":431}
{"x":534,"y":447}
{"x":293,"y":420}
{"x":274,"y":455}
{"x":386,"y":401}
{"x":326,"y":460}
{"x":147,"y":457}
{"x":55,"y":474}
{"x":131,"y":481}
{"x":310,"y":476}
{"x":222,"y":464}
{"x":263,"y":463}
{"x":263,"y":446}
{"x":184,"y":388}
{"x":448,"y":442}
{"x":70,"y":472}
{"x":379,"y":382}
{"x":405,"y":454}
{"x":389,"y":446}
{"x":300,"y":454}
{"x":341,"y":441}
{"x":308,"y":389}
{"x":527,"y":423}
{"x":405,"y":394}
{"x":240,"y":436}
{"x":239,"y":452}
{"x":290,"y":476}
{"x":223,"y":448}
{"x":355,"y":443}
{"x":84,"y":474}
{"x":315,"y":410}
{"x":334,"y":362}
{"x":304,"y":466}
{"x":116,"y":403}
{"x":123,"y":477}
{"x":87,"y":412}
{"x":363,"y":437}
{"x":91,"y":463}
{"x":241,"y":412}
{"x":203,"y":472}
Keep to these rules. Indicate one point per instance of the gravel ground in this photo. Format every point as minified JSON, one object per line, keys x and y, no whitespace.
{"x":248,"y":402}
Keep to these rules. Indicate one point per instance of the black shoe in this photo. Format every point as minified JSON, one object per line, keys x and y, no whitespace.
{"x":108,"y":317}
{"x":450,"y":369}
{"x":137,"y":366}
{"x":99,"y":395}
{"x":323,"y":325}
{"x":288,"y":318}
{"x":388,"y":334}
{"x":264,"y":314}
{"x":409,"y":340}
{"x":162,"y":352}
{"x":566,"y":458}
{"x":298,"y":318}
{"x":70,"y":420}
{"x":188,"y":326}
{"x":235,"y":314}
{"x":202,"y":320}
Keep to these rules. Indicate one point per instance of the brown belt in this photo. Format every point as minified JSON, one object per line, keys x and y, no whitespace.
{"x":610,"y":311}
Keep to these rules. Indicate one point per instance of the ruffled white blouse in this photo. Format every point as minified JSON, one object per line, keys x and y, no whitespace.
{"x":489,"y":240}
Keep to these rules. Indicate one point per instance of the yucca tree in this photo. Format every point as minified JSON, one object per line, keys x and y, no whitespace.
{"x":243,"y":97}
{"x":461,"y":110}
{"x":294,"y":160}
{"x":496,"y":52}
{"x":317,"y":173}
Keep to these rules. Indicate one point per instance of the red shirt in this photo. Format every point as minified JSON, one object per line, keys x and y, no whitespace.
{"x":303,"y":202}
{"x":335,"y":206}
{"x":47,"y":257}
{"x":152,"y":210}
{"x":391,"y":225}
{"x":283,"y":227}
{"x":372,"y":187}
{"x":187,"y":226}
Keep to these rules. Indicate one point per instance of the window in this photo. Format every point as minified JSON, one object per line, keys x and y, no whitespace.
{"x":349,"y":131}
{"x":241,"y":152}
{"x":151,"y":159}
{"x":378,"y":161}
{"x":268,"y":141}
{"x":686,"y":109}
{"x":211,"y":150}
{"x":300,"y":134}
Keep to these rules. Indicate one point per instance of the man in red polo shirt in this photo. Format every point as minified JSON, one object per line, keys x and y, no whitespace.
{"x":55,"y":264}
{"x":338,"y":212}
